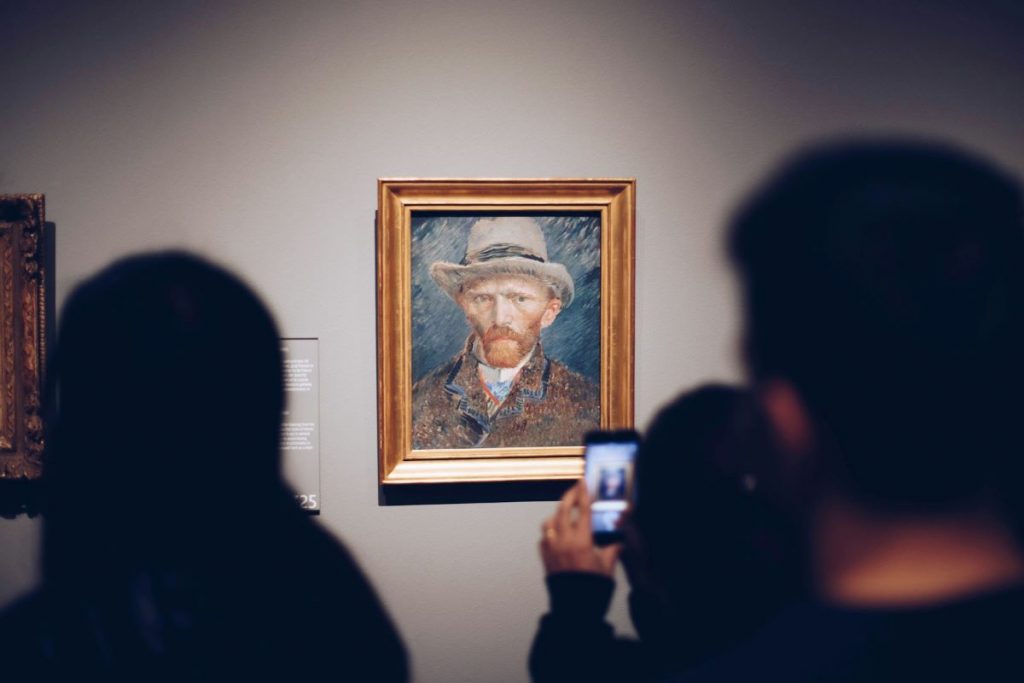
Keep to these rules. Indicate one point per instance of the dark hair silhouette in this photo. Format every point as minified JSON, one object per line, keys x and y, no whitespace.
{"x":884,"y":281}
{"x":172,"y":548}
{"x":723,"y":546}
{"x":168,"y":372}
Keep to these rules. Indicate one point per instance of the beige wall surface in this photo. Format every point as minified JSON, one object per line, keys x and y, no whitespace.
{"x":254,"y":132}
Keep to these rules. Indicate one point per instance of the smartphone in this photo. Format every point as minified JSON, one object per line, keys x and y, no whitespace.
{"x":610,"y":463}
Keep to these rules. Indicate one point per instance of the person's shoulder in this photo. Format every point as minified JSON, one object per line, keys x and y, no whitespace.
{"x":800,"y":644}
{"x":23,"y":627}
{"x":24,"y":612}
{"x":970,"y":639}
{"x":13,"y":617}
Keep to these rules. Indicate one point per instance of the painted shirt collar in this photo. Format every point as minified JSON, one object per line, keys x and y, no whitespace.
{"x":491,"y":375}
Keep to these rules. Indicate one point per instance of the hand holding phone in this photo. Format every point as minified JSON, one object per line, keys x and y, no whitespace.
{"x":567,"y":543}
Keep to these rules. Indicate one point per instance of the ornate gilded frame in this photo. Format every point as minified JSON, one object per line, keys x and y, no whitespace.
{"x":398,"y":199}
{"x":23,"y":334}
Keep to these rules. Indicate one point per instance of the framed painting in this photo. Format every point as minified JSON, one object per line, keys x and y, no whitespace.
{"x":24,"y":303}
{"x":504,"y":325}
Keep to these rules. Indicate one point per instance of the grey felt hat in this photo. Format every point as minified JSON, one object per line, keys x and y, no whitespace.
{"x":504,"y":245}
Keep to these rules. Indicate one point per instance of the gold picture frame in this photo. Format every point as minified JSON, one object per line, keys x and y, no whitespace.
{"x":24,"y":304}
{"x":599,"y":210}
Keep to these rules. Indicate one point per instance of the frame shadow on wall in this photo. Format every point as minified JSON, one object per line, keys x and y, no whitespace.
{"x":479,"y":492}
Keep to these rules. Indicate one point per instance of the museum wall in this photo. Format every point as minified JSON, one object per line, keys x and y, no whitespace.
{"x":254,"y":132}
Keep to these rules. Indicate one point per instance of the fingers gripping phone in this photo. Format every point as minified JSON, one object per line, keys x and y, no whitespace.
{"x":610,"y":463}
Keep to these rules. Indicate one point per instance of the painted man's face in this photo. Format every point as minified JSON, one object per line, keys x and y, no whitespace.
{"x":611,"y":481}
{"x":507,"y":312}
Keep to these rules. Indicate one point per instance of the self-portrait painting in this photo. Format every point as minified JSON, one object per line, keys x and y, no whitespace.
{"x":506,"y":334}
{"x":498,"y":322}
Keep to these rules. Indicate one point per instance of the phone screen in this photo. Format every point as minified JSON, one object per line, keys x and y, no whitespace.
{"x":610,"y":462}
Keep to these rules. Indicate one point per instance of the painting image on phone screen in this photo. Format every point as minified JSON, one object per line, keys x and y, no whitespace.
{"x":609,"y":475}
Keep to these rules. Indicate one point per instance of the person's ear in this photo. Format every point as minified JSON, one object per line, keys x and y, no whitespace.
{"x":787,"y":417}
{"x":551,"y":312}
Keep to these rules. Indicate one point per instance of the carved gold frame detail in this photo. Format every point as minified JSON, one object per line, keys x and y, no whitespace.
{"x":398,"y":199}
{"x":23,"y":323}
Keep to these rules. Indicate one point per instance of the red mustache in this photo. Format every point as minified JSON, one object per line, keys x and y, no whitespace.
{"x":501,"y":333}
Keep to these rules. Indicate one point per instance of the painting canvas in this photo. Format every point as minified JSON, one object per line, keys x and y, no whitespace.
{"x":505,"y":325}
{"x":506,"y":331}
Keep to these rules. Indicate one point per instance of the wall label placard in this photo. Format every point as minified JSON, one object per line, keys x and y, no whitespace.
{"x":300,"y":426}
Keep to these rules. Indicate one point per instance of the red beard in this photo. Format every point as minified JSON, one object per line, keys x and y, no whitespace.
{"x":505,"y":348}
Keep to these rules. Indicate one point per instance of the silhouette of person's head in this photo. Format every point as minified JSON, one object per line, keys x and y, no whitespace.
{"x":168,"y":375}
{"x":883,"y":283}
{"x":172,"y":549}
{"x":716,"y":544}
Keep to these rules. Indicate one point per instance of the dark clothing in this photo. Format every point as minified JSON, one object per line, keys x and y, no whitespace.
{"x":282,"y":601}
{"x":549,"y":405}
{"x":575,"y":643}
{"x":973,"y":639}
